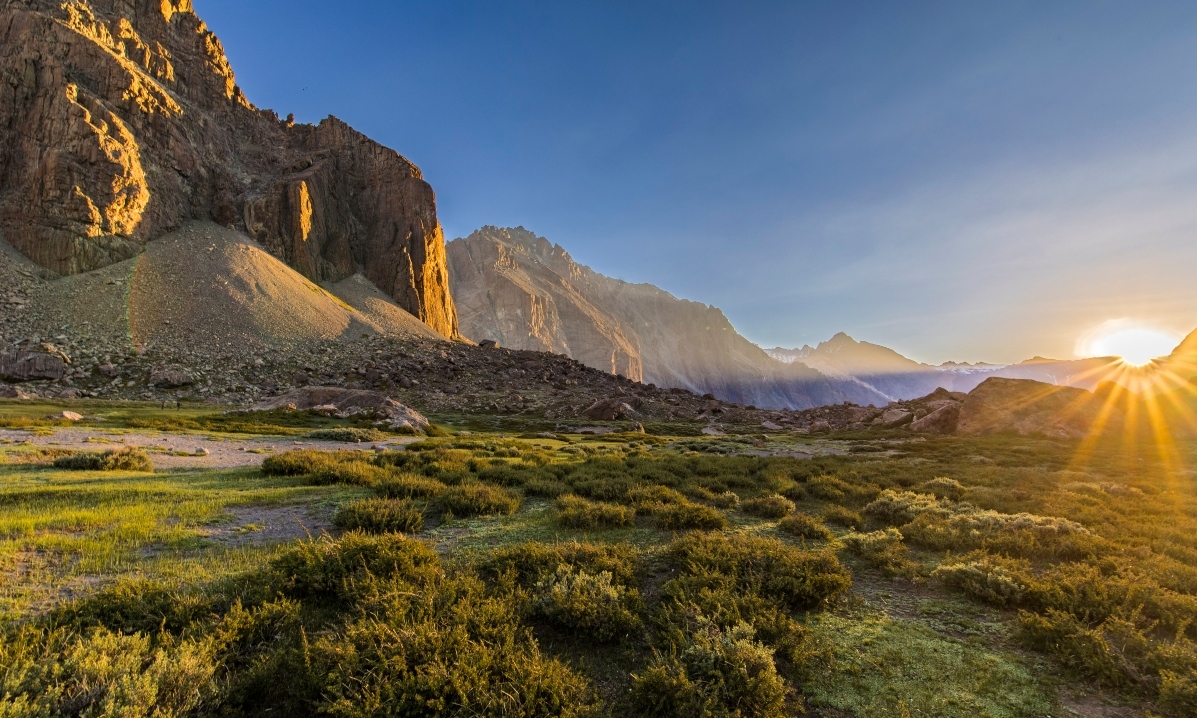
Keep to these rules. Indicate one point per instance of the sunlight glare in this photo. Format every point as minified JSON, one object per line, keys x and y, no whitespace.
{"x":1136,"y":344}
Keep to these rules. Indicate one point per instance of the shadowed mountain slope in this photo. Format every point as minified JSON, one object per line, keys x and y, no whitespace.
{"x":526,"y":293}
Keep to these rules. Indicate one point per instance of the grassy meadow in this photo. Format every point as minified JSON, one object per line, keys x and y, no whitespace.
{"x":623,"y":574}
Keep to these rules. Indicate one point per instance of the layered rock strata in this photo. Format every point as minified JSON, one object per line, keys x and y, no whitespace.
{"x":121,"y":119}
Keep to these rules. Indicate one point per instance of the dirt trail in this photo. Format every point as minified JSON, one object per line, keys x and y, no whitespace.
{"x":166,"y":448}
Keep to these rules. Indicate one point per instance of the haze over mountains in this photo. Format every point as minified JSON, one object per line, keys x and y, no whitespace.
{"x":522,"y":291}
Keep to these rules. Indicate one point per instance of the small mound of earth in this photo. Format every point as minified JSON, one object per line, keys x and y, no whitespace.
{"x":346,"y":403}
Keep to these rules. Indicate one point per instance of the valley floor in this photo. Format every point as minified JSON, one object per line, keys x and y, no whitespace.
{"x":628,"y":574}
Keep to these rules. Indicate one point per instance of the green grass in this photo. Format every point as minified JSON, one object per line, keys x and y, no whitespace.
{"x":1051,"y":560}
{"x":878,"y":667}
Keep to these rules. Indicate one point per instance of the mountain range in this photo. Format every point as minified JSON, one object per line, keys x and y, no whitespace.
{"x":523,"y":291}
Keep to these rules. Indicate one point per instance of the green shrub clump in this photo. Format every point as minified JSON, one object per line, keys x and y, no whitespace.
{"x":690,"y":516}
{"x":593,"y":604}
{"x":348,"y":434}
{"x":380,"y":515}
{"x":578,"y":513}
{"x":883,"y":549}
{"x":840,"y":516}
{"x":305,"y":461}
{"x":129,"y":458}
{"x":803,"y":526}
{"x":714,"y":673}
{"x":409,"y":486}
{"x":768,"y":507}
{"x":477,"y":500}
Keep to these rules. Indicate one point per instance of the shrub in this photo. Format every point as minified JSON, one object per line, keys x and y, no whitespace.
{"x":768,"y":507}
{"x":305,"y":461}
{"x":895,"y":508}
{"x":333,"y":567}
{"x":135,"y":605}
{"x":128,"y":458}
{"x":799,"y":524}
{"x":477,"y":500}
{"x":883,"y":549}
{"x":353,"y":473}
{"x":1015,"y":534}
{"x":548,"y":488}
{"x":378,"y":516}
{"x":578,"y":513}
{"x":592,"y":604}
{"x":714,"y":673}
{"x":608,"y":489}
{"x":769,"y":568}
{"x":687,"y":516}
{"x":409,"y":486}
{"x":840,"y":516}
{"x":997,"y":581}
{"x":943,"y":488}
{"x":827,"y":487}
{"x":348,"y":434}
{"x":648,"y":500}
{"x":450,"y":650}
{"x":532,"y":561}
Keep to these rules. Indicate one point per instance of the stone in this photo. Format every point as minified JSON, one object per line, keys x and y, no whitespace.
{"x":108,"y":370}
{"x":70,"y":416}
{"x":612,"y":408}
{"x":770,"y":426}
{"x":348,"y":402}
{"x":171,"y":378}
{"x":488,"y":344}
{"x":941,"y":421}
{"x":31,"y":366}
{"x":7,"y":391}
{"x":892,"y":418}
{"x":109,"y":103}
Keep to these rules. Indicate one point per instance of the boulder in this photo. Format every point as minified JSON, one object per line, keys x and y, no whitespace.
{"x":770,"y":426}
{"x":941,"y":421}
{"x":70,"y":416}
{"x":488,"y":344}
{"x":7,"y":391}
{"x":613,"y":408}
{"x":344,"y":403}
{"x":171,"y":378}
{"x":30,"y":366}
{"x":892,"y":418}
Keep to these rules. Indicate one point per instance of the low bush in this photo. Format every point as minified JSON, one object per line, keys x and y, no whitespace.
{"x":690,"y":516}
{"x":768,"y":568}
{"x":547,"y":488}
{"x":840,"y":516}
{"x":943,"y":488}
{"x":129,"y":458}
{"x":530,"y":562}
{"x":382,"y":515}
{"x":649,"y":500}
{"x":768,"y":507}
{"x":989,"y":578}
{"x":578,"y":513}
{"x":884,"y":550}
{"x":897,"y":508}
{"x":477,"y":500}
{"x":335,"y":567}
{"x":352,"y":473}
{"x":305,"y":461}
{"x":348,"y":434}
{"x":713,"y":673}
{"x":803,"y":526}
{"x":592,"y":604}
{"x":409,"y":486}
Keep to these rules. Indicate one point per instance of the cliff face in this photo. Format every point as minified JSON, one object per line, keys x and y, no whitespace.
{"x":122,"y":119}
{"x":526,"y":293}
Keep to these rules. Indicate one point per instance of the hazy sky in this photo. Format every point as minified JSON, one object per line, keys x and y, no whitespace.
{"x":968,"y":181}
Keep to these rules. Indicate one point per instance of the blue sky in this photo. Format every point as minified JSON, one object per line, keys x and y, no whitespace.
{"x":967,"y":181}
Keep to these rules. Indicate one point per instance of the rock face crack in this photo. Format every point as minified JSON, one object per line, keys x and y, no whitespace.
{"x":121,"y":119}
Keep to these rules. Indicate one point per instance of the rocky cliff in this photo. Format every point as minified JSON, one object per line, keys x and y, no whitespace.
{"x":121,"y":119}
{"x":527,"y":293}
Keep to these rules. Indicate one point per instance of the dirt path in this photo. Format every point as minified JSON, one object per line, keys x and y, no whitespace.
{"x":179,"y":451}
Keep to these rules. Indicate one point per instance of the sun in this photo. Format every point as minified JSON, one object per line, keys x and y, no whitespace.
{"x":1136,"y":343}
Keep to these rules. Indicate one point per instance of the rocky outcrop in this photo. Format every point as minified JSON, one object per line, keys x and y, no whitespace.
{"x":346,"y":403}
{"x":1033,"y":408}
{"x":122,"y":119}
{"x":31,"y":366}
{"x":522,"y":291}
